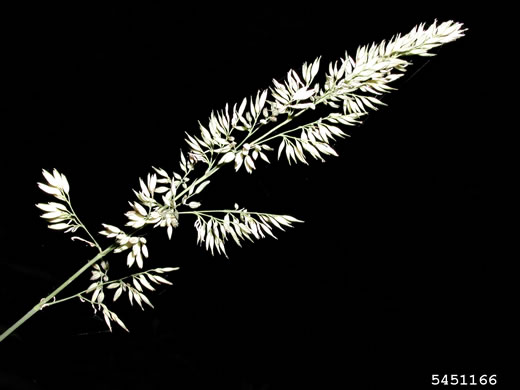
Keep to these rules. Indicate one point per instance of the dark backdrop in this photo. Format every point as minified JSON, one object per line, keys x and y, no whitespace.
{"x":400,"y":270}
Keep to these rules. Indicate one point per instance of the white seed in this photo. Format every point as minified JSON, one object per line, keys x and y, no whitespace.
{"x":50,"y":190}
{"x":118,"y":293}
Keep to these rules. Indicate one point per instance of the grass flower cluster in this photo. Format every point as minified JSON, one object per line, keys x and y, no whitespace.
{"x":245,"y":135}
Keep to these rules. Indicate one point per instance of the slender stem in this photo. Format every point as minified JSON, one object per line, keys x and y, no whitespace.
{"x":82,"y":224}
{"x":100,"y":284}
{"x":251,"y":132}
{"x":211,"y":211}
{"x":54,"y":302}
{"x":209,"y":172}
{"x":205,"y":212}
{"x":289,"y":119}
{"x":89,"y":300}
{"x":45,"y":300}
{"x":290,"y":131}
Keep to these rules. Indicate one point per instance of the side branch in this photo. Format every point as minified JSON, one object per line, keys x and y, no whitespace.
{"x":45,"y":300}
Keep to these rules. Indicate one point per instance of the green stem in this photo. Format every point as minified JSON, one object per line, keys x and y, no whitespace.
{"x":45,"y":300}
{"x":290,"y":131}
{"x":251,"y":132}
{"x":213,"y":211}
{"x":100,"y":284}
{"x":207,"y":212}
{"x":65,"y":299}
{"x":209,"y":172}
{"x":289,"y":119}
{"x":82,"y":225}
{"x":267,"y":134}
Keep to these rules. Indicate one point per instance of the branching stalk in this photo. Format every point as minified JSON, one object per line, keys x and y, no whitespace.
{"x":242,"y":135}
{"x":45,"y":301}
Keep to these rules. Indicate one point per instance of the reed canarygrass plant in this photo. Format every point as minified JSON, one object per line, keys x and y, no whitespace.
{"x":245,"y":135}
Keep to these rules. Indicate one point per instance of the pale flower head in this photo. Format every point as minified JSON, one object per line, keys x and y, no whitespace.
{"x":57,"y":184}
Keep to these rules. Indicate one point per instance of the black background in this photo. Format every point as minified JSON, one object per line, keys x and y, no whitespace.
{"x":400,"y":270}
